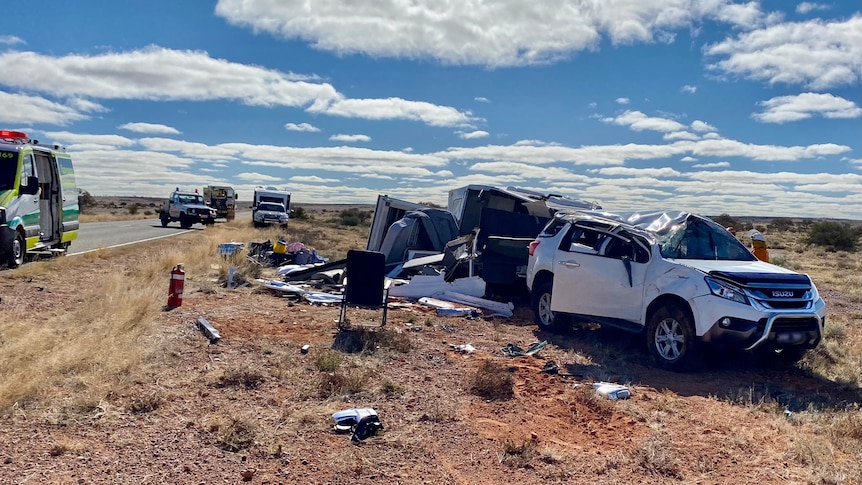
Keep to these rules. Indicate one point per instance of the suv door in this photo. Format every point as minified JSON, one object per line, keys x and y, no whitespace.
{"x":600,"y":273}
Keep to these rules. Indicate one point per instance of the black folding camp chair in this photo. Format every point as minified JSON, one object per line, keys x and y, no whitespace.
{"x":366,"y":285}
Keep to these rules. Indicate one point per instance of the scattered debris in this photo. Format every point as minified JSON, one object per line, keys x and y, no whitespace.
{"x":463,"y":348}
{"x":228,"y":249}
{"x":496,"y":308}
{"x":361,"y":422}
{"x":321,"y":298}
{"x":281,"y":287}
{"x":550,"y":368}
{"x":513,"y":350}
{"x":208,"y":330}
{"x":612,"y":391}
{"x":470,"y":313}
{"x":430,"y":285}
{"x":553,"y":369}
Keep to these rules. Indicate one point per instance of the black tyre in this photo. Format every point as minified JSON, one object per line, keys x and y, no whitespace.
{"x":165,"y":219}
{"x":17,"y":250}
{"x":670,"y":338}
{"x":185,"y":223}
{"x":546,"y":319}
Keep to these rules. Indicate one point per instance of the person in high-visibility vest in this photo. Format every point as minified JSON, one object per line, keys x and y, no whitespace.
{"x":758,"y":245}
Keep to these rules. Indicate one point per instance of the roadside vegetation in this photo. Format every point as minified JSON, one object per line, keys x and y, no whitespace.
{"x":97,"y":352}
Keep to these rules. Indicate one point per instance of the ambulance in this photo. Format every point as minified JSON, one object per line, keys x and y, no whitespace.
{"x":38,"y":199}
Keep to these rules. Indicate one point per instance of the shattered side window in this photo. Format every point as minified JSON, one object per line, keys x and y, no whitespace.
{"x":697,"y":239}
{"x":553,"y":228}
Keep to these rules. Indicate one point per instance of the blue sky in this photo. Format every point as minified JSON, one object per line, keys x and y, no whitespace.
{"x":712,"y":106}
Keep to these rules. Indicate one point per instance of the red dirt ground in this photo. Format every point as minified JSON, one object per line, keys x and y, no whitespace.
{"x":676,"y":428}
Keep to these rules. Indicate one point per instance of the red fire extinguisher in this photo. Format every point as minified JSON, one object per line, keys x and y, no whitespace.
{"x":175,"y":290}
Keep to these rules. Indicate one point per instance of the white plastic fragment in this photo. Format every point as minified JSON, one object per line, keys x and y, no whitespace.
{"x":612,"y":391}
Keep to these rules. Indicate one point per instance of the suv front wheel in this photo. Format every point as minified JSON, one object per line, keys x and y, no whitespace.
{"x":670,"y":338}
{"x":546,"y":319}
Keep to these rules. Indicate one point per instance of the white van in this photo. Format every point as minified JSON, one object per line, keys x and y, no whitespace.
{"x":270,"y":205}
{"x":38,"y":198}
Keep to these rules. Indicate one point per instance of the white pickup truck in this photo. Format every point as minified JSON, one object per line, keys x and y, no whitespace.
{"x":680,"y":279}
{"x":188,"y":208}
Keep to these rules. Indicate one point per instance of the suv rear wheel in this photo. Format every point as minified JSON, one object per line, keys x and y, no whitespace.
{"x":545,"y":318}
{"x":670,"y":338}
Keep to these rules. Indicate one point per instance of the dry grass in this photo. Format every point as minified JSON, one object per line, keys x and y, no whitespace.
{"x":98,"y":342}
{"x":232,"y":433}
{"x":492,"y":381}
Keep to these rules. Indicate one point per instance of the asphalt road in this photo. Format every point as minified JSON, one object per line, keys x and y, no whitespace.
{"x":93,"y":236}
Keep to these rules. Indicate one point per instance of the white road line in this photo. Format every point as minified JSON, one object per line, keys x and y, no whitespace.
{"x":128,"y":243}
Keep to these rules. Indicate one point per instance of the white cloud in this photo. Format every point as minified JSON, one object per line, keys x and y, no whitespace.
{"x":622,"y":100}
{"x":538,"y":143}
{"x":638,"y":172}
{"x":77,"y":138}
{"x":701,"y":126}
{"x":11,"y":40}
{"x":394,"y":108}
{"x":592,"y":105}
{"x":350,"y":138}
{"x":638,"y":121}
{"x":257,"y":177}
{"x":783,"y":109}
{"x":687,"y":159}
{"x":680,"y":135}
{"x":313,"y":179}
{"x":815,"y":53}
{"x":806,"y":7}
{"x":688,"y":89}
{"x":712,"y":165}
{"x":192,"y":150}
{"x":150,"y":128}
{"x":24,"y":109}
{"x":481,"y":99}
{"x":86,"y":105}
{"x":472,"y":135}
{"x":479,"y":32}
{"x":301,"y":127}
{"x":160,"y":74}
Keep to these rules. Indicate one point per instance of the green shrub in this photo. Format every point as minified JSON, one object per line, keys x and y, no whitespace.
{"x":353,"y":217}
{"x":299,"y":214}
{"x":727,"y":220}
{"x":86,"y":201}
{"x":782,"y":224}
{"x":835,"y":236}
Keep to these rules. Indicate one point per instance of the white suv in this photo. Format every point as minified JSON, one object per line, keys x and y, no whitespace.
{"x":679,"y":278}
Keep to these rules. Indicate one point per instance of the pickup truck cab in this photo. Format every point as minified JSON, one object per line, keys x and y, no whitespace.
{"x":188,"y":208}
{"x":678,"y":278}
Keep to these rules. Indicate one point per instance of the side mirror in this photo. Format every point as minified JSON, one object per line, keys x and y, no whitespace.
{"x":32,"y":187}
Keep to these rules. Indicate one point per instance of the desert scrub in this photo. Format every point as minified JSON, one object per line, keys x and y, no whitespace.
{"x":492,"y":381}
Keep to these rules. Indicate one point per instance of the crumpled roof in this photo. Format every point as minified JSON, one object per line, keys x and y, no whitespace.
{"x":657,"y":221}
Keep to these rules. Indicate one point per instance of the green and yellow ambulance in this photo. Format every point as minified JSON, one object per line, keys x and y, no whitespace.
{"x":38,"y":199}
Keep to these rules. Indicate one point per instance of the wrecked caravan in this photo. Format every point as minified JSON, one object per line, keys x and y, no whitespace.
{"x":467,"y":204}
{"x":494,"y":227}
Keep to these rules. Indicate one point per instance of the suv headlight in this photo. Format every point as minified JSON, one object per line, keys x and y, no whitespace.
{"x":726,"y":290}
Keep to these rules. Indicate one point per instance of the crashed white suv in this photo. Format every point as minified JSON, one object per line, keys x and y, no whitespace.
{"x":679,"y":278}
